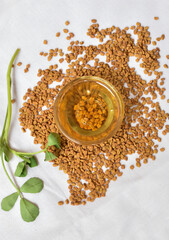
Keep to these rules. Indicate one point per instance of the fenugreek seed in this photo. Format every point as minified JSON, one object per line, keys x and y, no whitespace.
{"x":122,"y":166}
{"x":156,"y":18}
{"x":19,"y":63}
{"x":71,"y":34}
{"x":65,"y":30}
{"x":162,"y":149}
{"x":163,"y":97}
{"x":93,"y":20}
{"x":45,"y":41}
{"x":162,"y":37}
{"x":132,"y":167}
{"x":60,"y":203}
{"x":58,"y":34}
{"x":28,"y":66}
{"x":158,"y":38}
{"x":145,"y":161}
{"x":23,"y":130}
{"x":67,"y":201}
{"x":49,"y":58}
{"x":41,"y":53}
{"x":167,"y":100}
{"x":154,"y":43}
{"x":165,"y":66}
{"x":167,"y":56}
{"x":61,"y":60}
{"x":26,"y":70}
{"x":13,"y":101}
{"x":67,"y":23}
{"x":138,"y":164}
{"x":55,"y":66}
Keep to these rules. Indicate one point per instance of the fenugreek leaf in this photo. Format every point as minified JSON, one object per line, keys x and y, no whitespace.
{"x":7,"y":153}
{"x":19,"y":169}
{"x":33,"y":185}
{"x":54,"y":139}
{"x":49,"y":156}
{"x":33,"y":162}
{"x":9,"y":201}
{"x":24,"y":172}
{"x":29,"y":211}
{"x":26,"y":159}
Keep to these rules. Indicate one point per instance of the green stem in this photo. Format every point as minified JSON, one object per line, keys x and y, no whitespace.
{"x":9,"y":176}
{"x":1,"y":140}
{"x":26,"y":154}
{"x":9,"y":111}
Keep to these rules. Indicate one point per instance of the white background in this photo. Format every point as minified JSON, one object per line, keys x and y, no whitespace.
{"x":137,"y":205}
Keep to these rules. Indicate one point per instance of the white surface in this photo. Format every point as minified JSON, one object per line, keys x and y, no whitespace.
{"x":137,"y":205}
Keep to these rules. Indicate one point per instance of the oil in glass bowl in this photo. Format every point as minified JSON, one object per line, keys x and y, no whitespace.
{"x":85,"y":88}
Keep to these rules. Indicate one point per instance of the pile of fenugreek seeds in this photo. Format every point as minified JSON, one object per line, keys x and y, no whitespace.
{"x":143,"y":120}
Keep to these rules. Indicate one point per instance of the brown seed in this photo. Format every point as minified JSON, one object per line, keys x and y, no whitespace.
{"x":167,"y":100}
{"x":162,"y":149}
{"x":60,"y":203}
{"x":71,"y":34}
{"x":145,"y":161}
{"x":158,"y":38}
{"x":138,"y":164}
{"x":162,"y":37}
{"x":61,"y":60}
{"x":23,"y":130}
{"x":55,"y":66}
{"x":93,"y":20}
{"x":67,"y":201}
{"x":165,"y":66}
{"x":154,"y":43}
{"x":167,"y":56}
{"x":19,"y":63}
{"x":156,"y":18}
{"x":67,"y":23}
{"x":26,"y":70}
{"x":65,"y":30}
{"x":28,"y":66}
{"x":163,"y":97}
{"x":58,"y":34}
{"x":132,"y":167}
{"x":45,"y":42}
{"x":13,"y":101}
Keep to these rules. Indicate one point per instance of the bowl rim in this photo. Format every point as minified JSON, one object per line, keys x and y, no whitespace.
{"x":111,"y":87}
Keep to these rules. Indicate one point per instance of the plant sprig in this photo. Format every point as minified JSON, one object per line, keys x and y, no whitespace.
{"x":29,"y":211}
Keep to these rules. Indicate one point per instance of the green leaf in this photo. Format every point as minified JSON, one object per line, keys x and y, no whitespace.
{"x":7,"y":153}
{"x":49,"y":156}
{"x":19,"y":169}
{"x":33,"y":162}
{"x":29,"y":211}
{"x":24,"y":172}
{"x":9,"y":201}
{"x":6,"y":158}
{"x":33,"y":185}
{"x":26,"y":159}
{"x":54,"y":139}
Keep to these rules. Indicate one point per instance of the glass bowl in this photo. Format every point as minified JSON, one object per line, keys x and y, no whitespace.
{"x":71,"y":94}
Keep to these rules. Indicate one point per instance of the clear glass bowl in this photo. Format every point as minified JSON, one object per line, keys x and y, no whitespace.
{"x":70,"y":95}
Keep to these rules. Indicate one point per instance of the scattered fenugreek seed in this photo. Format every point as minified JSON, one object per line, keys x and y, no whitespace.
{"x":19,"y":63}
